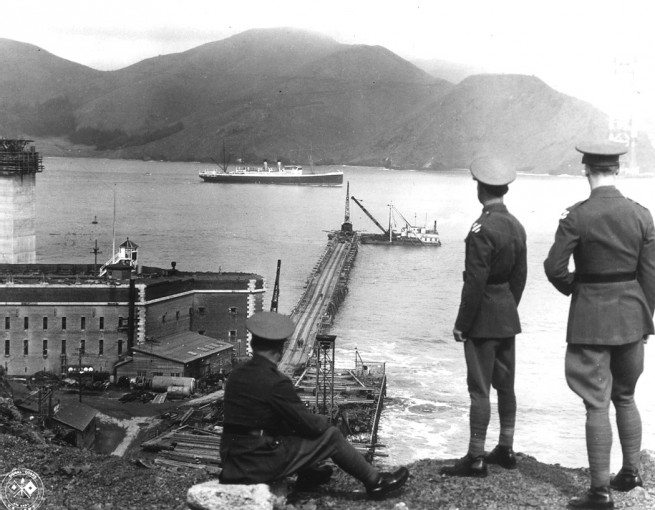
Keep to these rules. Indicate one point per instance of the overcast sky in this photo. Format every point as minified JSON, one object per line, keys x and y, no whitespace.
{"x":573,"y":45}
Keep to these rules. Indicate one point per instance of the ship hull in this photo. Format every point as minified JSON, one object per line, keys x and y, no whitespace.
{"x":326,"y":179}
{"x":382,"y":239}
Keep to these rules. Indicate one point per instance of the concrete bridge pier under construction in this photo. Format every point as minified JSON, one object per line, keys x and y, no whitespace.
{"x":18,"y":168}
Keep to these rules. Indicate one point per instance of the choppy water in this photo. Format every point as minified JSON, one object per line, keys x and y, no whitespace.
{"x":402,"y":302}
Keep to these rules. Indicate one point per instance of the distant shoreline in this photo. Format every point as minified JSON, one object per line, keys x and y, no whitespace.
{"x":62,"y":148}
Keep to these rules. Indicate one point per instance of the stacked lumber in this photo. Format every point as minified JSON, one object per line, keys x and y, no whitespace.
{"x":186,"y":447}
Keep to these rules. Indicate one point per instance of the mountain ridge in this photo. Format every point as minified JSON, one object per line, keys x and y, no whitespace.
{"x":274,"y":93}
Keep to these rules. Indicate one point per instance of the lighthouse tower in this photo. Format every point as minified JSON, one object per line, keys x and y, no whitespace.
{"x":18,"y":168}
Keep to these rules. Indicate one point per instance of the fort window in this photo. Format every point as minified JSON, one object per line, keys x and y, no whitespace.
{"x":45,"y":323}
{"x":82,"y":346}
{"x":45,"y":348}
{"x":82,"y":323}
{"x":201,"y":331}
{"x":177,"y":315}
{"x":232,"y":310}
{"x":63,"y":323}
{"x":101,"y":347}
{"x":7,"y":347}
{"x":26,"y":347}
{"x":7,"y":323}
{"x":63,"y":346}
{"x":175,"y":374}
{"x":233,"y":334}
{"x":120,"y":347}
{"x":101,"y":323}
{"x":157,"y":373}
{"x":201,"y":310}
{"x":26,"y":323}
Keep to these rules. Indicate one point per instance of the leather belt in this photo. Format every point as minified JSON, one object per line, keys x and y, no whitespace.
{"x":240,"y":430}
{"x":605,"y":277}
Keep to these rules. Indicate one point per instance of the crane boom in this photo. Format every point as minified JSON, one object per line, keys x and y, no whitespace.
{"x":384,"y":230}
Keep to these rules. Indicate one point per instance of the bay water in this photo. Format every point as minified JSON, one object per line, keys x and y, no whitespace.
{"x":402,"y":301}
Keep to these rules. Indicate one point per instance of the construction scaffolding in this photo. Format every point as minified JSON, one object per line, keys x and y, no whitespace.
{"x":15,"y":159}
{"x":325,"y":374}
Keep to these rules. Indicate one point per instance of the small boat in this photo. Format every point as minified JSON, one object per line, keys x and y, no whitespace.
{"x":290,"y":174}
{"x":95,"y":220}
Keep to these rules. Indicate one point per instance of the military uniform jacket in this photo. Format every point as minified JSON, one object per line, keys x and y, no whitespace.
{"x":610,"y":237}
{"x":494,"y":276}
{"x":258,"y":396}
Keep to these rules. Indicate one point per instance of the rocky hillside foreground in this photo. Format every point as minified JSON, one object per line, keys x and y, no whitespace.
{"x":81,"y":480}
{"x":75,"y":479}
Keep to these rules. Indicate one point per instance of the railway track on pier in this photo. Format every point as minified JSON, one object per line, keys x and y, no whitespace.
{"x":326,"y":288}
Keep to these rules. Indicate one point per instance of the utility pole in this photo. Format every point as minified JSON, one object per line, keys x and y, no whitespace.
{"x":276,"y":288}
{"x":79,"y":372}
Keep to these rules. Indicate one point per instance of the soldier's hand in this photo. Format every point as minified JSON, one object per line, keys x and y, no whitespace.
{"x":459,"y":335}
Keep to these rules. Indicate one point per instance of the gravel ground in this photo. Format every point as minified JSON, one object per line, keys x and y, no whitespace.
{"x":76,"y":480}
{"x":81,"y":480}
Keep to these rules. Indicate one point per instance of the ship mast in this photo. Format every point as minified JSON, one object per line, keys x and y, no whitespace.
{"x":113,"y":227}
{"x":390,"y":234}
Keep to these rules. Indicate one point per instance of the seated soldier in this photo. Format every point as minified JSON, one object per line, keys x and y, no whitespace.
{"x":269,"y":434}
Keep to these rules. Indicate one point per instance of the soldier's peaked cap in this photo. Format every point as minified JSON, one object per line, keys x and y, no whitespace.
{"x":270,"y":325}
{"x":601,"y":153}
{"x":492,"y":171}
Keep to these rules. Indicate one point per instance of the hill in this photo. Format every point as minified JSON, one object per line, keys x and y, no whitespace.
{"x":516,"y":117}
{"x":450,"y":71}
{"x":285,"y":93}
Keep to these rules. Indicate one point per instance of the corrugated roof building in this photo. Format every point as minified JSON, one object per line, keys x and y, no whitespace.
{"x":185,"y":354}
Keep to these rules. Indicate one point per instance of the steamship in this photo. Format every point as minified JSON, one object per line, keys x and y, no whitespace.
{"x":290,"y":174}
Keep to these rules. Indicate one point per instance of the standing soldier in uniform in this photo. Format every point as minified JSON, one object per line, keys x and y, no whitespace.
{"x":269,"y":433}
{"x":612,"y":241}
{"x":488,"y":320}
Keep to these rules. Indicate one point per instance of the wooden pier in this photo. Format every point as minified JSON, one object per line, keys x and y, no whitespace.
{"x":326,"y":289}
{"x":356,"y":393}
